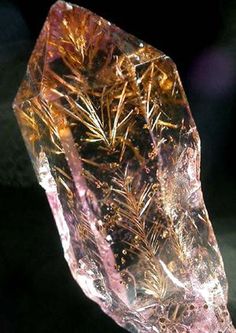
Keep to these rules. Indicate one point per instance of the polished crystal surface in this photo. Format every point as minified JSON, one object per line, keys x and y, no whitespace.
{"x":114,"y":145}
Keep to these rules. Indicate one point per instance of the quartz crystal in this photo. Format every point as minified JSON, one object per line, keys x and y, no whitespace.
{"x":114,"y":145}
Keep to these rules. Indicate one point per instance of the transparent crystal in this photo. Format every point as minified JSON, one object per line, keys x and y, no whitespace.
{"x":114,"y":145}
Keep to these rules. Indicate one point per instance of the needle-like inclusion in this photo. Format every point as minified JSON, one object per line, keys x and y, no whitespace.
{"x":113,"y":143}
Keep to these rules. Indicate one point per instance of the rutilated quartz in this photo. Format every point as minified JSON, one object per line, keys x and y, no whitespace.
{"x":114,"y":145}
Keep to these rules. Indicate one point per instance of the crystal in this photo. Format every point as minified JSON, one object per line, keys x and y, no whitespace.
{"x":114,"y":145}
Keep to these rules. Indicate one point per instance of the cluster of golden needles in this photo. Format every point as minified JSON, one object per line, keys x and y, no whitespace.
{"x":133,"y":209}
{"x":125,"y":89}
{"x":111,"y":125}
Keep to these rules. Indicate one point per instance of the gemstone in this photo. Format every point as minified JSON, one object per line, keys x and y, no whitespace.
{"x":114,"y":145}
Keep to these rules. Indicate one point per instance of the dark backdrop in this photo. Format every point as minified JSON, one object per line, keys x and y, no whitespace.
{"x":37,"y":292}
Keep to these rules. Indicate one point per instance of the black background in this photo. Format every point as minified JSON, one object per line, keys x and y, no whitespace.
{"x":37,"y":292}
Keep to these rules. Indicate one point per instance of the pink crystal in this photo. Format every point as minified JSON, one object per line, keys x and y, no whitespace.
{"x":114,"y":145}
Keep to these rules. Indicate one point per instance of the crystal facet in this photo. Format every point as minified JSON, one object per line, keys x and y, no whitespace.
{"x":114,"y":145}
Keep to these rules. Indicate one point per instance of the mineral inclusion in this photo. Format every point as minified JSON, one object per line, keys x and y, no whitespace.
{"x":114,"y":145}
